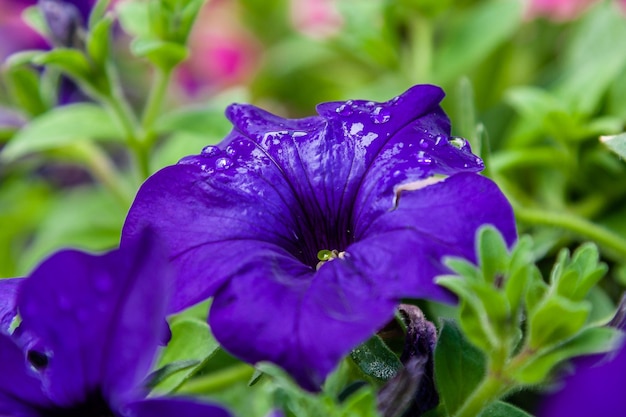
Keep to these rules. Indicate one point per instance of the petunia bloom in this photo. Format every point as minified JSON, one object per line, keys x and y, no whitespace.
{"x":95,"y":323}
{"x":246,"y":220}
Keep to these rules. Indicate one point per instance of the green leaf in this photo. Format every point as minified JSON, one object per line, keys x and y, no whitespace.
{"x":592,"y":340}
{"x":493,"y":254}
{"x":555,"y":320}
{"x":34,"y":18}
{"x":616,"y":144}
{"x":24,"y":87}
{"x":192,"y":341}
{"x":98,"y":41}
{"x":459,"y":367}
{"x":62,"y":126}
{"x":71,"y":61}
{"x":85,"y":218}
{"x":165,"y":55}
{"x":22,"y":58}
{"x":503,"y":409}
{"x":474,"y":36}
{"x":376,"y":360}
{"x":133,"y":16}
{"x":98,"y":12}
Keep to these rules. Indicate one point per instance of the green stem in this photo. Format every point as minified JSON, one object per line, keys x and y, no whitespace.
{"x":104,"y":171}
{"x":421,"y":52}
{"x":611,"y":242}
{"x":155,"y":100}
{"x":217,"y":381}
{"x":505,"y":160}
{"x":490,"y":389}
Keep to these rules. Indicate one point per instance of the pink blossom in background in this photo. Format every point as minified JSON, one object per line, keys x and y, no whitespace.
{"x":223,"y":52}
{"x":557,"y":10}
{"x":319,"y":19}
{"x":15,"y":35}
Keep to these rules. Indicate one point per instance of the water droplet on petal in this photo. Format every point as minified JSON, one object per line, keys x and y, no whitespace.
{"x":457,"y":142}
{"x":223,"y":163}
{"x":424,"y":144}
{"x":345,"y":109}
{"x":210,"y":150}
{"x":381,"y":115}
{"x":231,"y":151}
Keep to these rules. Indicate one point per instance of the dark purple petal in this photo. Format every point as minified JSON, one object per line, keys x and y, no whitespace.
{"x":403,"y":248}
{"x":278,"y":312}
{"x":99,"y":318}
{"x":8,"y":298}
{"x":173,"y":407}
{"x":20,"y":390}
{"x":591,"y":391}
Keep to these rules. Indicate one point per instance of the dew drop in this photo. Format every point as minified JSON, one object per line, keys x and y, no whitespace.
{"x":345,"y":109}
{"x":424,"y":144}
{"x":381,"y":115}
{"x":457,"y":142}
{"x":231,"y":151}
{"x":210,"y":150}
{"x":223,"y":163}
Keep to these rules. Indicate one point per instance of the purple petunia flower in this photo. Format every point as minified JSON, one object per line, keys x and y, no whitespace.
{"x":246,"y":220}
{"x":95,"y":323}
{"x":594,"y":390}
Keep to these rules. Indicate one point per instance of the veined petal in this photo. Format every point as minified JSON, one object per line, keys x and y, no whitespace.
{"x":8,"y":299}
{"x":98,"y":318}
{"x":275,"y":312}
{"x":404,"y":247}
{"x":20,"y":390}
{"x":173,"y":407}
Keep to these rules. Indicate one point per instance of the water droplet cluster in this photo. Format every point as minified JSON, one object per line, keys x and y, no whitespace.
{"x":213,"y":158}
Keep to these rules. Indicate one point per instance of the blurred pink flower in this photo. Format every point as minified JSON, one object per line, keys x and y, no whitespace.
{"x":319,"y":19}
{"x":223,"y":52}
{"x":557,"y":10}
{"x":15,"y":35}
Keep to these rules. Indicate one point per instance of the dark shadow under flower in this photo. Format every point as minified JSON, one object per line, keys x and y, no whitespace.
{"x":95,"y":323}
{"x":246,"y":219}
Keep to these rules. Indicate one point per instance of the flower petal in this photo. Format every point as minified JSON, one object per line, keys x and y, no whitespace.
{"x":173,"y":407}
{"x":591,"y":391}
{"x":403,"y":248}
{"x":20,"y":390}
{"x":8,"y":296}
{"x":99,"y":319}
{"x":275,"y":312}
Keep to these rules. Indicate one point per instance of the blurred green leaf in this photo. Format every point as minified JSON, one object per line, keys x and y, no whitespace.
{"x":163,"y":54}
{"x":474,"y":35}
{"x":71,"y":61}
{"x":376,"y":360}
{"x":84,"y":218}
{"x":616,"y":144}
{"x":34,"y":18}
{"x":62,"y":126}
{"x":459,"y":367}
{"x":133,"y":16}
{"x":192,"y":342}
{"x":24,"y":87}
{"x":98,"y":12}
{"x":98,"y":41}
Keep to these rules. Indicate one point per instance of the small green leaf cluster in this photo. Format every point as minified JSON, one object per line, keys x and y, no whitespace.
{"x":161,"y":29}
{"x":521,"y":326}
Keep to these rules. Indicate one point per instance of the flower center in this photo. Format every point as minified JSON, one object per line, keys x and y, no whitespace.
{"x":94,"y":406}
{"x":326,"y":255}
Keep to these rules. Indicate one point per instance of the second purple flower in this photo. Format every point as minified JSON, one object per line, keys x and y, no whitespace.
{"x":308,"y":232}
